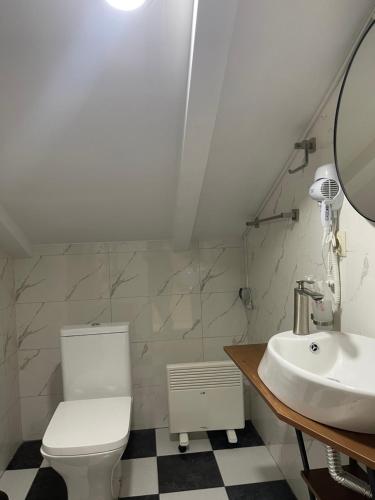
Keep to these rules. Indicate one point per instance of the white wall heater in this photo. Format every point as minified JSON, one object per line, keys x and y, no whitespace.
{"x":205,"y":396}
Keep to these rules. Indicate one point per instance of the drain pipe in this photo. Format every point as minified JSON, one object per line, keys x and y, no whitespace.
{"x":344,"y":478}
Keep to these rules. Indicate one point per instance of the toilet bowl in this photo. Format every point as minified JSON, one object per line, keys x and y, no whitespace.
{"x":84,"y":442}
{"x":95,"y":477}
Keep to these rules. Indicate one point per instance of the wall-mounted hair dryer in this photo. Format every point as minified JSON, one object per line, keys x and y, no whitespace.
{"x":327,"y":191}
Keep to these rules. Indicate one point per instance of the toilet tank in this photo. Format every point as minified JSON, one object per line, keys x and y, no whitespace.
{"x":95,"y":361}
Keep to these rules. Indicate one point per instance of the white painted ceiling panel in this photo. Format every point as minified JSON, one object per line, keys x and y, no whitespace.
{"x":283,"y":58}
{"x":92,"y":105}
{"x":92,"y":102}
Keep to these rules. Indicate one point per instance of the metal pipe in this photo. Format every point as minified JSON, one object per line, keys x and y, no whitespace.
{"x":371,"y":478}
{"x":344,"y":478}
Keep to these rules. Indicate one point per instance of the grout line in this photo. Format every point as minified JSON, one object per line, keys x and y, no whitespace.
{"x":109,"y":299}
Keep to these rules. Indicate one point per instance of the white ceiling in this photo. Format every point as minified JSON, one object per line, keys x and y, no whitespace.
{"x":92,"y":104}
{"x":92,"y":107}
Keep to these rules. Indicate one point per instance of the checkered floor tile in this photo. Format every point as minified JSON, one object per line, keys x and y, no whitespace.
{"x":153,"y":469}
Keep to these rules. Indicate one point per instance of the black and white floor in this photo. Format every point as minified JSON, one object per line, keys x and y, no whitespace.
{"x":153,"y":469}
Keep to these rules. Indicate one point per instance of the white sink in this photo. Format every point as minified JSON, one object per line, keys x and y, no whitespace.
{"x":326,"y":376}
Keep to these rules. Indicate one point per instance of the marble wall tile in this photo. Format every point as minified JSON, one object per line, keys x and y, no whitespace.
{"x":357,"y":272}
{"x":129,"y":275}
{"x":174,"y":272}
{"x":139,"y":246}
{"x":149,"y":360}
{"x":40,"y":372}
{"x":223,"y":315}
{"x":221,"y":270}
{"x":39,"y":323}
{"x":142,"y":274}
{"x":101,"y":247}
{"x":150,"y":407}
{"x":356,"y":227}
{"x":49,"y":249}
{"x":3,"y":388}
{"x":36,"y":412}
{"x":8,"y":341}
{"x":146,"y":283}
{"x":144,"y":366}
{"x":10,"y":418}
{"x":213,"y":347}
{"x":62,"y":277}
{"x":167,"y":317}
{"x":137,"y":311}
{"x":40,"y":279}
{"x":10,"y":434}
{"x":86,"y":248}
{"x":87,"y":312}
{"x":6,"y":283}
{"x":223,"y":243}
{"x":86,"y":277}
{"x":176,"y":317}
{"x":9,"y":384}
{"x":3,"y":344}
{"x":70,"y":248}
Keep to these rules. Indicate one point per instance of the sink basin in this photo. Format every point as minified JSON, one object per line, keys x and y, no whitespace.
{"x":326,"y":376}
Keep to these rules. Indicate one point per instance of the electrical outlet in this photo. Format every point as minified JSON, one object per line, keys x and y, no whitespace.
{"x":341,"y":238}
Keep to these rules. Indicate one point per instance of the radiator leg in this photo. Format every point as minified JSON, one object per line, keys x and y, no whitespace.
{"x":184,"y":441}
{"x":232,"y":436}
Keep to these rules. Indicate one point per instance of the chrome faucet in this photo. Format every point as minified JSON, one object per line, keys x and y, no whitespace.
{"x":301,"y":306}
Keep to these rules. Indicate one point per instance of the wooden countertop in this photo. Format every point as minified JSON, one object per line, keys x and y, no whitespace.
{"x":354,"y":444}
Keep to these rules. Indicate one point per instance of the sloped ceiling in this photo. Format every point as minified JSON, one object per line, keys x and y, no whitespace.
{"x":93,"y":106}
{"x":283,"y":58}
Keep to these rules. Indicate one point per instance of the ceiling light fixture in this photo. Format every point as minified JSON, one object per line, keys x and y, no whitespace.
{"x":126,"y":4}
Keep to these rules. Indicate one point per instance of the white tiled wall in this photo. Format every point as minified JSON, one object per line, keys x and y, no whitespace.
{"x":282,"y":252}
{"x":183,"y":306}
{"x":10,"y":428}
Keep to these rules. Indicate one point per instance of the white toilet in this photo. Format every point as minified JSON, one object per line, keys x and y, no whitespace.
{"x":89,"y":431}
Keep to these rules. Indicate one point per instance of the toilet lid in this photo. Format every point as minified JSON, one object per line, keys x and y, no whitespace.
{"x":88,"y":426}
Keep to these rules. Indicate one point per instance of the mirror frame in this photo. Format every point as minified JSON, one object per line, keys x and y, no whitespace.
{"x":337,"y":114}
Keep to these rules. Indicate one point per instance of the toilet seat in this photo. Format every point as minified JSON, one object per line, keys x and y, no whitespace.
{"x":89,"y":426}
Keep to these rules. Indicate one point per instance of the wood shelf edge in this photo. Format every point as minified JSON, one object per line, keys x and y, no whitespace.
{"x":358,"y":446}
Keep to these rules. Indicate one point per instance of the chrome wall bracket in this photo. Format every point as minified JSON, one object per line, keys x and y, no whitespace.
{"x":309,"y":146}
{"x":292,"y":215}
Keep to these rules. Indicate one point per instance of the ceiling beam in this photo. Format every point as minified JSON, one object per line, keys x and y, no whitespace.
{"x":212,"y":28}
{"x":12,"y":239}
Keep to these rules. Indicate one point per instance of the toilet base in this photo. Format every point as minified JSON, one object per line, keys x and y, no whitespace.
{"x":89,"y":477}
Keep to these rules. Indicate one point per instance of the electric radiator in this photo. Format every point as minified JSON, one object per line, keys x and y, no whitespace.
{"x":205,"y":396}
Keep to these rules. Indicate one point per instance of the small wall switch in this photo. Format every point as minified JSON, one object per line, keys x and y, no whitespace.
{"x":341,"y":238}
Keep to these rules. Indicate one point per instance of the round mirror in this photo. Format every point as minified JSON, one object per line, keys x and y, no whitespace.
{"x":354,"y":136}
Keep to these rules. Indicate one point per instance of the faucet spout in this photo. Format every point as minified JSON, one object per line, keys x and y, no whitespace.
{"x":318,"y":297}
{"x":301,"y":307}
